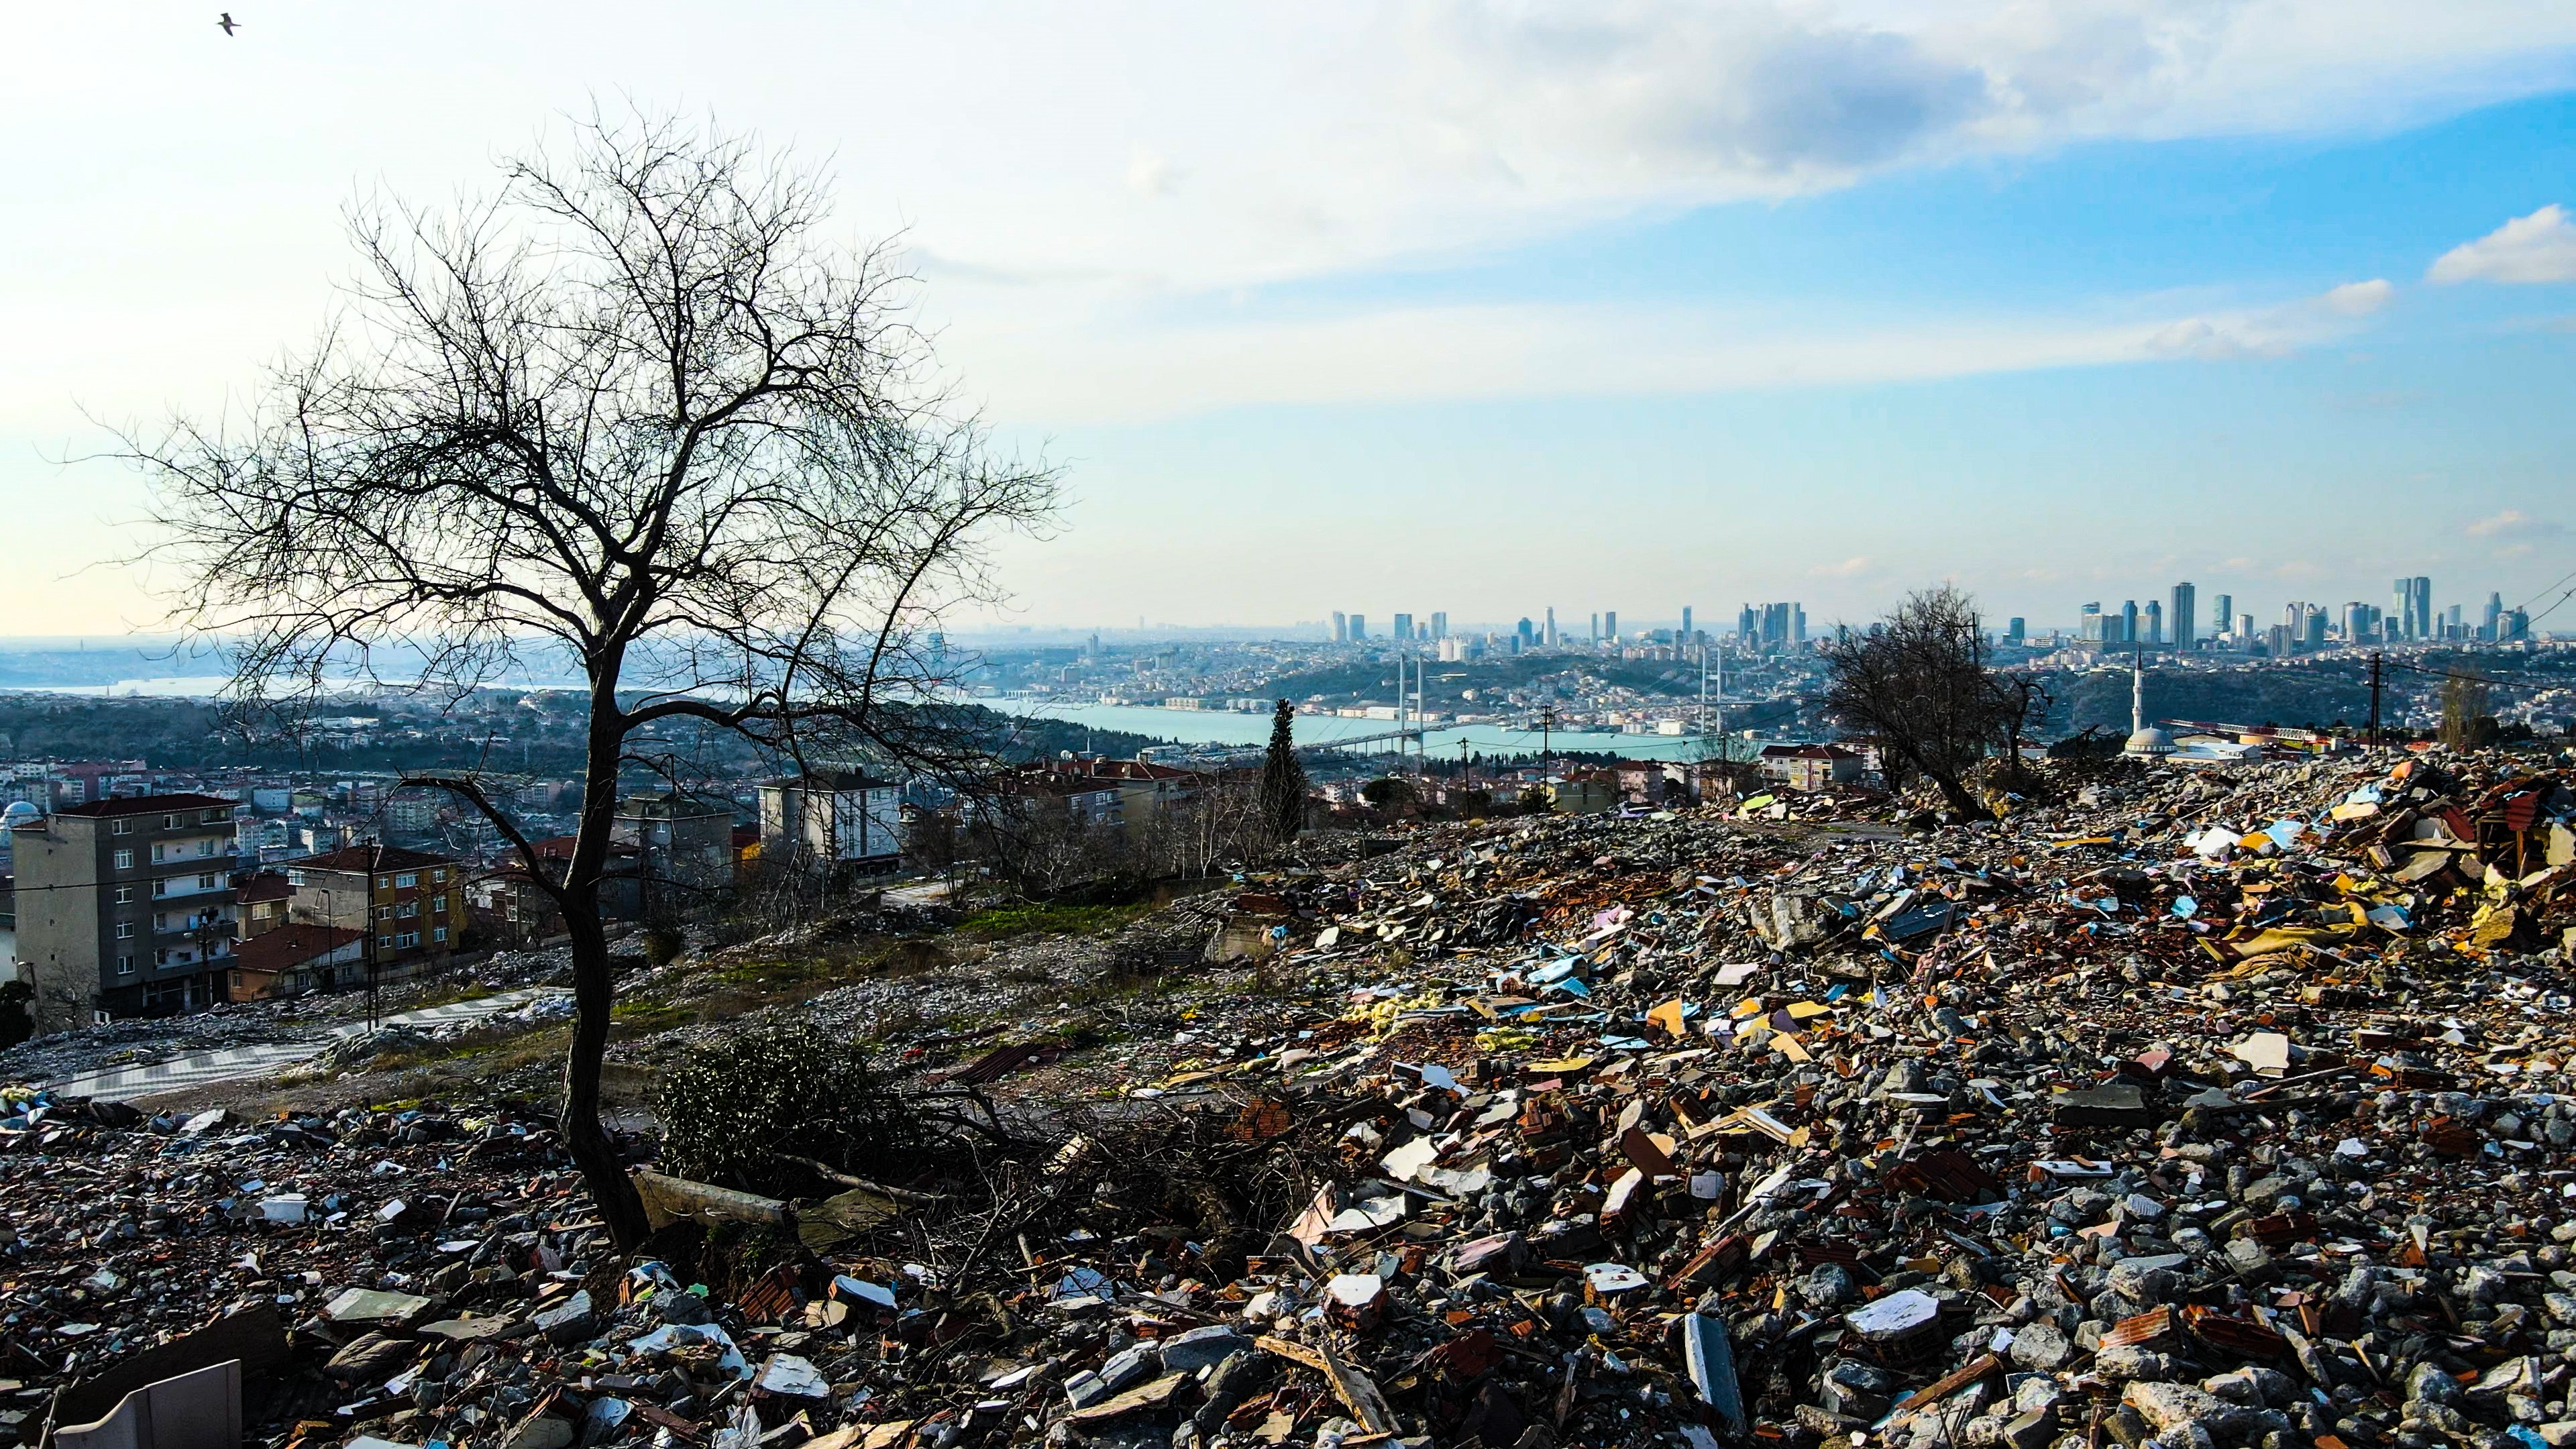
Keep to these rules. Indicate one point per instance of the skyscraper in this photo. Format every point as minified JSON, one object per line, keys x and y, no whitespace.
{"x":1403,"y":630}
{"x":1341,"y":627}
{"x":2155,"y":624}
{"x":1609,"y":623}
{"x":2414,"y":610}
{"x":1686,"y":623}
{"x":1439,"y":624}
{"x":2182,"y":618}
{"x":2222,"y":614}
{"x":1595,"y":635}
{"x":2494,"y":613}
{"x":2013,"y":632}
{"x":1359,"y":627}
{"x":2129,"y":622}
{"x":1551,"y":626}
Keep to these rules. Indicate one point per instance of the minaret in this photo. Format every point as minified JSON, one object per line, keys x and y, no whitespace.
{"x":2144,"y":743}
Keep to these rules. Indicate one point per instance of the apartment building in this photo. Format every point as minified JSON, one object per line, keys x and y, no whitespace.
{"x":831,"y":820}
{"x":684,"y":849}
{"x":410,"y":902}
{"x":126,"y":907}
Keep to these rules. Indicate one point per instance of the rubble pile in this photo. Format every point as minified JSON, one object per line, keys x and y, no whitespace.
{"x":2204,"y":1110}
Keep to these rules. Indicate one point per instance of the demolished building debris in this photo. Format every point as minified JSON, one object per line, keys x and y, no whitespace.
{"x":2205,"y":1109}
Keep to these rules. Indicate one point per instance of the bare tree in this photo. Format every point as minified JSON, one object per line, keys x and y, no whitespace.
{"x":1917,"y":686}
{"x":635,"y":417}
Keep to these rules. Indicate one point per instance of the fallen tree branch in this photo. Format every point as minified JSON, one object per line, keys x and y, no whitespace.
{"x":897,"y":1194}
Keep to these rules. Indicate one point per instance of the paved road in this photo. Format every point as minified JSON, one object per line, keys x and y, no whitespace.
{"x":125,"y":1083}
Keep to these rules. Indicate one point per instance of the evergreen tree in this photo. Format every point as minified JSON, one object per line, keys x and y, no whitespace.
{"x":1283,"y":779}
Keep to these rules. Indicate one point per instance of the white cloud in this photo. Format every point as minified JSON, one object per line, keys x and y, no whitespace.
{"x":1852,"y":567}
{"x":2540,"y":247}
{"x":2359,"y":299}
{"x":1151,"y":174}
{"x":1442,"y":353}
{"x":2272,"y":331}
{"x":2514,"y":522}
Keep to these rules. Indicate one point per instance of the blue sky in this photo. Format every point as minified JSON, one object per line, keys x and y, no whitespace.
{"x":1478,"y":305}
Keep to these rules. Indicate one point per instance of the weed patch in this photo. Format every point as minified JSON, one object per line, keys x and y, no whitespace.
{"x":1002,"y":923}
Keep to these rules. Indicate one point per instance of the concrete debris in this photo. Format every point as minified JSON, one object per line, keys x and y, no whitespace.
{"x":2217,"y":1110}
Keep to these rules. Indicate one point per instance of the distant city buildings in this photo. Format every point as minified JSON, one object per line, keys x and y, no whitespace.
{"x":1773,"y":626}
{"x":2305,"y":626}
{"x":2414,"y":608}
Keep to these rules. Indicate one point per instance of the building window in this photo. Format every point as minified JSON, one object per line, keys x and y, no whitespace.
{"x":169,"y":822}
{"x":125,"y":930}
{"x":120,"y":827}
{"x":209,"y":817}
{"x":384,"y":882}
{"x":439,"y":935}
{"x":438,"y":905}
{"x":125,"y":965}
{"x":125,"y":860}
{"x":384,"y":943}
{"x":206,"y":846}
{"x":439,"y":874}
{"x":205,"y":882}
{"x":160,"y":888}
{"x":125,"y":895}
{"x":406,"y":882}
{"x":295,"y":877}
{"x":408,"y":939}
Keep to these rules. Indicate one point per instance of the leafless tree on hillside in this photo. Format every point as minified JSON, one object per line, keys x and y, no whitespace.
{"x":1917,"y":686}
{"x":636,"y":414}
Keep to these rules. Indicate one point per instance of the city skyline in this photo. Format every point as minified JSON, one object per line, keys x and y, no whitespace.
{"x":2041,"y":304}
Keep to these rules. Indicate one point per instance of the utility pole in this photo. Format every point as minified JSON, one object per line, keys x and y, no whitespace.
{"x":1546,"y":730}
{"x":375,"y":858}
{"x":2374,"y":698}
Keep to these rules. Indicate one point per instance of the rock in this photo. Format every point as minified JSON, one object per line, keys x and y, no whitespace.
{"x":2169,"y":1407}
{"x":2118,"y":1105}
{"x":2040,"y":1347}
{"x":2250,"y":1261}
{"x":370,"y":1359}
{"x":1201,"y":1347}
{"x":2127,"y":1361}
{"x":569,"y":1322}
{"x":1130,"y":1367}
{"x":2428,"y":1384}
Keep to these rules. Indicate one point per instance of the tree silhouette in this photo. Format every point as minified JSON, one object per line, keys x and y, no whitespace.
{"x":635,"y":416}
{"x":1283,"y":778}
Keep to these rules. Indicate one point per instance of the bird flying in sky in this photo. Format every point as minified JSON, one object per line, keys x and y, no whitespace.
{"x":227,"y":24}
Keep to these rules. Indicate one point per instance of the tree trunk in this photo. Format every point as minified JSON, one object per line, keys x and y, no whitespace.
{"x":584,"y":1137}
{"x":594,"y":993}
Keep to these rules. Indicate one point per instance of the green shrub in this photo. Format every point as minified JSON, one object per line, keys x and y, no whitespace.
{"x":733,"y":1109}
